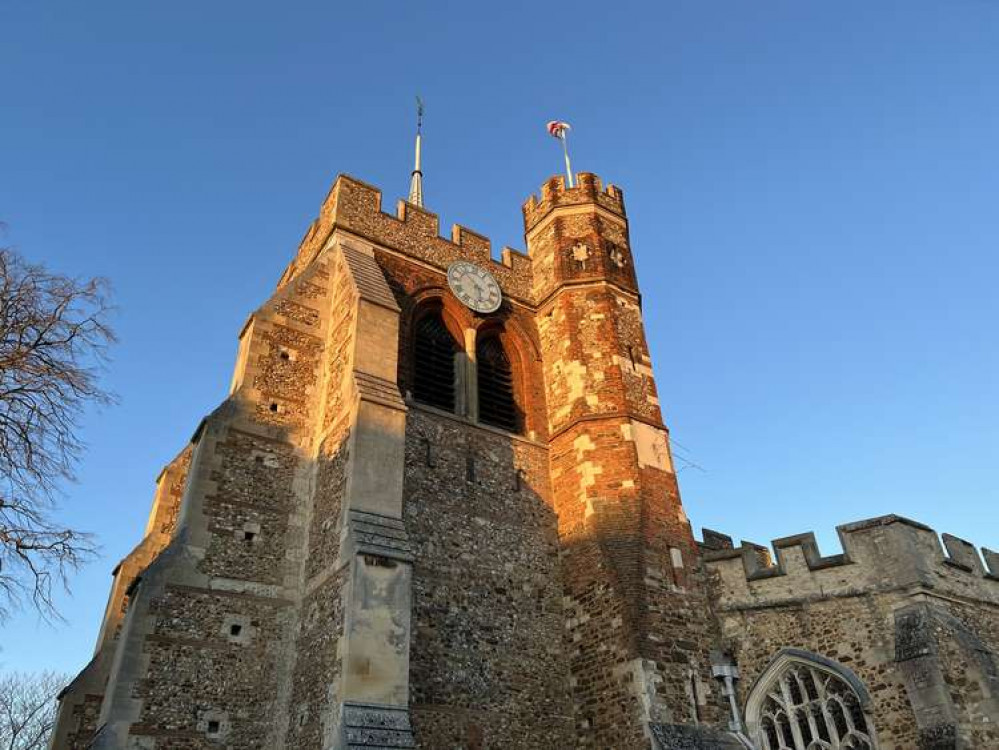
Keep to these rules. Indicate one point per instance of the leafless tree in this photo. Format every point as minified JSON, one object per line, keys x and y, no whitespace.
{"x":28,"y":709}
{"x":54,"y":336}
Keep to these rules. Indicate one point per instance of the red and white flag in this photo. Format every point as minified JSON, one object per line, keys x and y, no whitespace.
{"x":557,"y":128}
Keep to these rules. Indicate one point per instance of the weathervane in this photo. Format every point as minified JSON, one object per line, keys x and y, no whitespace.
{"x":416,"y":180}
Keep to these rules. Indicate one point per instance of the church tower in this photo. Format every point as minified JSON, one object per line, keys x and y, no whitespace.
{"x":436,"y":510}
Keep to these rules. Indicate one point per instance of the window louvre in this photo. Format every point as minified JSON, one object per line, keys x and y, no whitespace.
{"x":434,"y":363}
{"x":496,"y":403}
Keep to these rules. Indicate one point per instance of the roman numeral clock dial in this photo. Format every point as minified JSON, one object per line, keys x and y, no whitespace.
{"x":474,"y":286}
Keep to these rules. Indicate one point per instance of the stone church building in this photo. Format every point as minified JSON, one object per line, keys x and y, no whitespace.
{"x":438,"y":510}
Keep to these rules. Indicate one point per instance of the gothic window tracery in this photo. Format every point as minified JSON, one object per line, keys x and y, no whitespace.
{"x":808,"y":706}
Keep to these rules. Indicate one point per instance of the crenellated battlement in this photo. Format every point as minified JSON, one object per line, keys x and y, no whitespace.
{"x":356,"y":207}
{"x":878,"y":554}
{"x":554,"y":194}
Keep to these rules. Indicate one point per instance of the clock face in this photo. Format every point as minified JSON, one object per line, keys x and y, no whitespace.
{"x":474,"y":286}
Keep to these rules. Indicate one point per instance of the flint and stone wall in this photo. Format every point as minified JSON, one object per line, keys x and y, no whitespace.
{"x":488,"y":666}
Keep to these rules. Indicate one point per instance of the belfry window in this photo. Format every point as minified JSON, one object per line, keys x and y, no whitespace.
{"x":800,"y":705}
{"x":497,"y":406}
{"x":434,"y":363}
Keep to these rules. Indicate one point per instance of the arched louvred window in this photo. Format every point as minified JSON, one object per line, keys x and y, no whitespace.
{"x":434,"y":363}
{"x":804,"y":702}
{"x":497,"y":406}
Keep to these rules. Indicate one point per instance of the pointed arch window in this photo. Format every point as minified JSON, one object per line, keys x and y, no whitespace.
{"x":434,"y":365}
{"x":809,"y":704}
{"x":497,"y":405}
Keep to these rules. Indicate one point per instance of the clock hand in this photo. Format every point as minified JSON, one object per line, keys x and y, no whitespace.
{"x":476,"y":284}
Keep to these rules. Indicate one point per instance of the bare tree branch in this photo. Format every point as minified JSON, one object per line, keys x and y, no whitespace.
{"x":28,"y":709}
{"x":54,"y":337}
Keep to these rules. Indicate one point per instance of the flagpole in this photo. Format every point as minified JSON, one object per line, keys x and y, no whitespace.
{"x":565,"y":150}
{"x":560,"y":130}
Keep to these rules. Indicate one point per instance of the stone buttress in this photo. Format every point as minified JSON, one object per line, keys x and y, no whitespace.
{"x":270,"y":606}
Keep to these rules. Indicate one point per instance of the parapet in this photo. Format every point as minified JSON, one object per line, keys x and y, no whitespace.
{"x":555,"y":194}
{"x":879,"y":554}
{"x":356,"y":207}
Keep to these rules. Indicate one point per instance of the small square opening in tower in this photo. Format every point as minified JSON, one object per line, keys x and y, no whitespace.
{"x":235,"y":629}
{"x":214,"y":726}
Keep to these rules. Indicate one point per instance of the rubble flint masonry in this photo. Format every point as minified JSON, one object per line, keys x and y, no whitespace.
{"x":357,"y":551}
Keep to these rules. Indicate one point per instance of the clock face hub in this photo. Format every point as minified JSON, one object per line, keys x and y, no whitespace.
{"x":474,"y":286}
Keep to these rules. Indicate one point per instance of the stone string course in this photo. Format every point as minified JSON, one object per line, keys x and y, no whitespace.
{"x":330,"y":565}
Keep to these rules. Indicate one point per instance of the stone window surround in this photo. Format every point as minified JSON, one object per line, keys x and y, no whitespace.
{"x":466,"y":329}
{"x":779,"y":665}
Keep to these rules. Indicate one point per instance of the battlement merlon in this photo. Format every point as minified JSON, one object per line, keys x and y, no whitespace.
{"x":355,"y":207}
{"x":588,"y":190}
{"x":879,"y":554}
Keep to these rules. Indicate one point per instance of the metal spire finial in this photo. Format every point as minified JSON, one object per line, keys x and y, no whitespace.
{"x":416,"y":180}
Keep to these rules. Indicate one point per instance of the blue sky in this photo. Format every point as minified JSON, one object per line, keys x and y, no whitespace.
{"x":812,"y":189}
